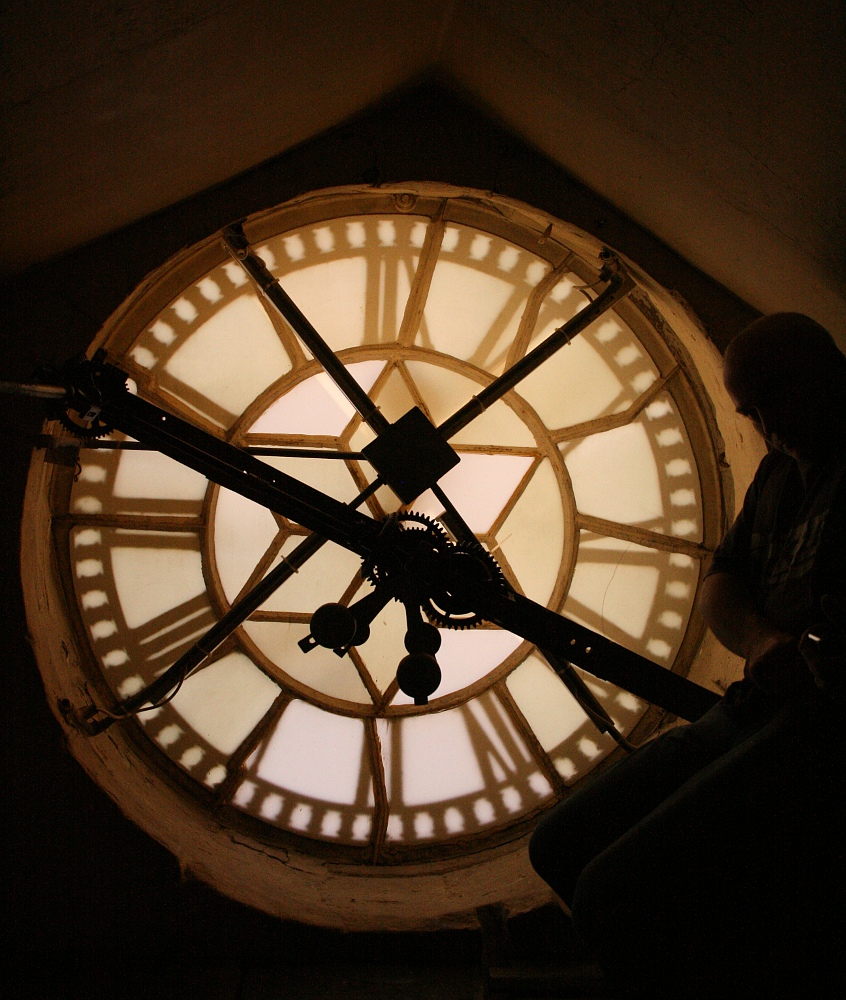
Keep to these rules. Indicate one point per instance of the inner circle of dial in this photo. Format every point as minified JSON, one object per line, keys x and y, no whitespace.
{"x":511,"y":487}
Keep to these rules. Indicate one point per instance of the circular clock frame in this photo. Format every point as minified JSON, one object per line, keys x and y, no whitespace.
{"x":379,"y":884}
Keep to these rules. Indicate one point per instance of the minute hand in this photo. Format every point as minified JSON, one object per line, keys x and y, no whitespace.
{"x":237,"y":244}
{"x":620,"y":284}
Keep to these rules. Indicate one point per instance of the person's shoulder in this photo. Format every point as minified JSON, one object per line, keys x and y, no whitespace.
{"x":775,"y":461}
{"x":774,"y":466}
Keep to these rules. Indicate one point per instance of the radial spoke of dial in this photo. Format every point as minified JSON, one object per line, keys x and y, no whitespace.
{"x":235,"y":764}
{"x":541,"y":757}
{"x":287,"y":338}
{"x":521,"y":342}
{"x":256,"y":268}
{"x":612,"y":420}
{"x":381,"y":807}
{"x":413,"y":314}
{"x":264,"y":564}
{"x":138,"y":522}
{"x":641,"y":536}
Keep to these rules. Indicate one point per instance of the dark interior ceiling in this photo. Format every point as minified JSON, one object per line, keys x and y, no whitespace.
{"x":704,"y":140}
{"x":718,"y":126}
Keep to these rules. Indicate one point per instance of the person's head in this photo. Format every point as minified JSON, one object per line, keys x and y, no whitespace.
{"x":786,"y":373}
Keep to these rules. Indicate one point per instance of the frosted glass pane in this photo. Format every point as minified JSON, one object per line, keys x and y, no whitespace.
{"x":321,"y":580}
{"x":638,"y":596}
{"x":477,"y":297}
{"x":532,"y":538}
{"x":212,"y":359}
{"x":242,"y":532}
{"x":479,"y":486}
{"x":462,"y":308}
{"x":152,"y":581}
{"x":386,"y":497}
{"x":549,"y":708}
{"x":498,"y":425}
{"x":317,"y":405}
{"x":394,"y":398}
{"x":314,"y":753}
{"x":361,"y":437}
{"x":445,"y":391}
{"x":574,"y":385}
{"x":149,"y":474}
{"x":331,"y":296}
{"x":614,"y":476}
{"x":644,"y":473}
{"x":226,"y":700}
{"x":603,"y":369}
{"x":562,"y":302}
{"x":615,"y":586}
{"x":320,"y":669}
{"x":351,"y":277}
{"x":438,"y":760}
{"x":497,"y":730}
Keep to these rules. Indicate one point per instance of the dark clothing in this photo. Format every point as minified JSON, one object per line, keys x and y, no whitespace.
{"x":710,"y":861}
{"x":787,"y":544}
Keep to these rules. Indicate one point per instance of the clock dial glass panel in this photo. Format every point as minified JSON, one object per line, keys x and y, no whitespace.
{"x":584,"y":483}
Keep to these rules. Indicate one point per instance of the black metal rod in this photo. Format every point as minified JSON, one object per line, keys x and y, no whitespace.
{"x":619,"y":285}
{"x":206,"y":645}
{"x":577,"y":687}
{"x":35,"y":389}
{"x":98,"y":444}
{"x":234,"y":469}
{"x":218,"y":633}
{"x":586,"y":698}
{"x":599,"y":656}
{"x":238,"y":246}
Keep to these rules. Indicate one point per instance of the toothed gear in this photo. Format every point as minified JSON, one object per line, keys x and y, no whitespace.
{"x":79,"y":413}
{"x":434,"y":527}
{"x":452,"y":604}
{"x":75,"y":423}
{"x":383,"y":564}
{"x":424,"y":567}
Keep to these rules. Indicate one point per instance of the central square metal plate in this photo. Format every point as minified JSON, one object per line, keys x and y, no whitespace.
{"x":410,"y":455}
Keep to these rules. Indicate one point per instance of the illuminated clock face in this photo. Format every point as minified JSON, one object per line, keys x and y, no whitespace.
{"x":586,"y":484}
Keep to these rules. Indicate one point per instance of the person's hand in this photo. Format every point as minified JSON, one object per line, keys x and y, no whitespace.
{"x":823,"y":647}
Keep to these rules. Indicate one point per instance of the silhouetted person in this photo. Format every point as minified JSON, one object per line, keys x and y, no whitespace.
{"x":710,"y":862}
